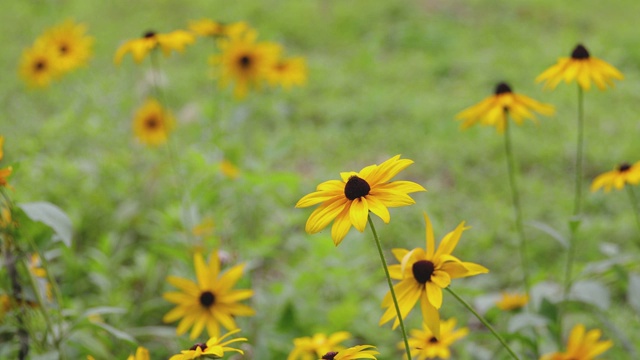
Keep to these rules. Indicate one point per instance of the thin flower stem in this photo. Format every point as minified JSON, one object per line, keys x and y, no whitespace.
{"x":16,"y":287}
{"x":484,"y":322}
{"x":636,"y":210}
{"x":393,"y":293}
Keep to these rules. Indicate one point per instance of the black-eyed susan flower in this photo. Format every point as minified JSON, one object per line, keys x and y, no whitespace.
{"x":580,"y":67}
{"x":139,"y":48}
{"x":617,"y":178}
{"x":152,"y":123}
{"x":71,"y":44}
{"x":424,"y":345}
{"x":6,"y":172}
{"x":512,"y":301}
{"x":582,"y":345}
{"x":356,"y":352}
{"x":209,"y":302}
{"x":141,"y":354}
{"x":208,"y":27}
{"x":493,"y":111}
{"x":288,"y":72}
{"x":347,"y":202}
{"x":311,"y":348}
{"x":423,"y":273}
{"x":40,"y":65}
{"x":214,"y":348}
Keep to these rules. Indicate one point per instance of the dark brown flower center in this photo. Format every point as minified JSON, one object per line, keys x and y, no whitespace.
{"x":433,"y":340}
{"x":580,"y":53}
{"x":149,"y":34}
{"x":422,"y":271}
{"x":39,"y":66}
{"x":502,"y":88}
{"x":202,"y":346}
{"x":64,"y":48}
{"x":152,"y":123}
{"x":356,"y":188}
{"x":207,"y":299}
{"x":330,"y":355}
{"x":624,"y":167}
{"x":244,"y":61}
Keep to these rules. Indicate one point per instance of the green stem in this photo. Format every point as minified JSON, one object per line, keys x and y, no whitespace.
{"x":393,"y":293}
{"x":634,"y":204}
{"x":484,"y":322}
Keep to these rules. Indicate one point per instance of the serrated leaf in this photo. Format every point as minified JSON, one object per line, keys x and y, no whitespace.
{"x":555,"y":234}
{"x":51,"y":216}
{"x":633,"y":291}
{"x":591,"y":292}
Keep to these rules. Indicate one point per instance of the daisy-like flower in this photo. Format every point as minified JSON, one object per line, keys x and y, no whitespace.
{"x":152,"y":123}
{"x":244,"y":62}
{"x":423,"y":273}
{"x":348,"y":201}
{"x":426,"y":346}
{"x":209,"y":302}
{"x":6,"y":172}
{"x":356,"y":352}
{"x":493,"y":111}
{"x":512,"y":301}
{"x":139,"y":48}
{"x":40,"y":65}
{"x":141,"y":354}
{"x":310,"y":348}
{"x":581,"y":67}
{"x":208,"y":27}
{"x":617,"y":178}
{"x":214,"y":348}
{"x":288,"y":72}
{"x":581,"y":345}
{"x":72,"y":46}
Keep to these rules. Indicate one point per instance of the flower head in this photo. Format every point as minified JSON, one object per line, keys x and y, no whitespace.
{"x":141,"y":354}
{"x":493,"y":110}
{"x":152,"y":123}
{"x":356,"y":352}
{"x":139,"y":48}
{"x":214,"y":348}
{"x":423,"y":273}
{"x":288,"y":72}
{"x":310,"y":348}
{"x":425,"y":345}
{"x":228,"y":169}
{"x":618,"y":177}
{"x":581,"y":345}
{"x":6,"y":172}
{"x":40,"y":65}
{"x":583,"y":68}
{"x":348,"y":201}
{"x":209,"y":302}
{"x":71,"y":44}
{"x":512,"y":301}
{"x":208,"y":27}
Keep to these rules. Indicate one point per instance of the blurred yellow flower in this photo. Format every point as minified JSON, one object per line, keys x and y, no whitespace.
{"x":229,"y":169}
{"x":423,"y":275}
{"x":512,"y":301}
{"x":8,"y":303}
{"x":139,"y":48}
{"x":288,"y":72}
{"x":581,"y":346}
{"x":39,"y":65}
{"x":72,"y":46}
{"x":426,"y":346}
{"x":581,"y":67}
{"x":214,"y":348}
{"x":617,"y":178}
{"x":1,"y":147}
{"x":152,"y":123}
{"x":141,"y":354}
{"x":35,"y":266}
{"x":348,"y":201}
{"x":209,"y":302}
{"x":6,"y":172}
{"x":208,"y":27}
{"x":493,"y":111}
{"x":352,"y":353}
{"x":310,"y":348}
{"x":205,"y":228}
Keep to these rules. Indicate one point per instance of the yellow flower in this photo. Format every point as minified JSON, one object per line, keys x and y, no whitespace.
{"x":8,"y":303}
{"x":210,"y":301}
{"x":141,"y":354}
{"x":208,"y":27}
{"x":205,"y":228}
{"x":493,"y":110}
{"x":581,"y":346}
{"x":618,"y":177}
{"x":152,"y":123}
{"x":35,"y":266}
{"x":71,"y":44}
{"x":212,"y":349}
{"x":288,"y":72}
{"x":1,"y":147}
{"x":583,"y":68}
{"x":349,"y":200}
{"x":310,"y":348}
{"x":356,"y":352}
{"x":244,"y":62}
{"x":139,"y":48}
{"x":423,"y":275}
{"x":426,"y":346}
{"x":6,"y":172}
{"x":39,"y":65}
{"x":229,"y":169}
{"x":512,"y":301}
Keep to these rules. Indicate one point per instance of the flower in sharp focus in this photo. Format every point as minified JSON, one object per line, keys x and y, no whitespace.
{"x":348,"y":201}
{"x":423,"y":273}
{"x":139,"y":48}
{"x":288,"y":72}
{"x":71,"y":44}
{"x":581,"y":345}
{"x":152,"y":123}
{"x":512,"y":301}
{"x":214,"y":348}
{"x":425,"y":345}
{"x":356,"y":352}
{"x":581,"y":67}
{"x":493,"y":111}
{"x":39,"y":65}
{"x":209,"y":302}
{"x":141,"y":354}
{"x":310,"y":348}
{"x":617,"y":178}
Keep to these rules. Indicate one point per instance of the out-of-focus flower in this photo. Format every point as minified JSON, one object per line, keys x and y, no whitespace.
{"x":617,"y":178}
{"x":512,"y":301}
{"x":229,"y":170}
{"x":141,"y":354}
{"x":139,"y":48}
{"x":208,"y":27}
{"x":288,"y":72}
{"x":581,"y":345}
{"x":72,"y":46}
{"x":352,"y":353}
{"x":205,"y":228}
{"x":4,"y":173}
{"x":310,"y":348}
{"x":40,"y":65}
{"x":214,"y":348}
{"x":425,"y":345}
{"x":152,"y":123}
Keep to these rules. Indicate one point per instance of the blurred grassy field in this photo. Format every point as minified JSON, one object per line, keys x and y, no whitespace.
{"x":385,"y":78}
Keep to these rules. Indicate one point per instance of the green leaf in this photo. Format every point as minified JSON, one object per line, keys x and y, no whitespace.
{"x":591,"y":292}
{"x":119,"y":334}
{"x":633,"y":291}
{"x":102,"y":310}
{"x":555,"y":234}
{"x":51,"y":216}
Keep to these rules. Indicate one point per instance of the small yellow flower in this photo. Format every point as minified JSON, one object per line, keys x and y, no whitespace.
{"x":352,"y":353}
{"x":152,"y":123}
{"x":583,"y":68}
{"x":8,"y":303}
{"x":288,"y":72}
{"x":423,"y":274}
{"x":40,"y":65}
{"x":214,"y":348}
{"x":425,"y":345}
{"x":35,"y":266}
{"x":617,"y":178}
{"x":348,"y":201}
{"x":493,"y":111}
{"x":229,"y":169}
{"x":581,"y":346}
{"x":139,"y":48}
{"x":72,"y":46}
{"x":512,"y":301}
{"x":141,"y":354}
{"x":208,"y":27}
{"x":310,"y":348}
